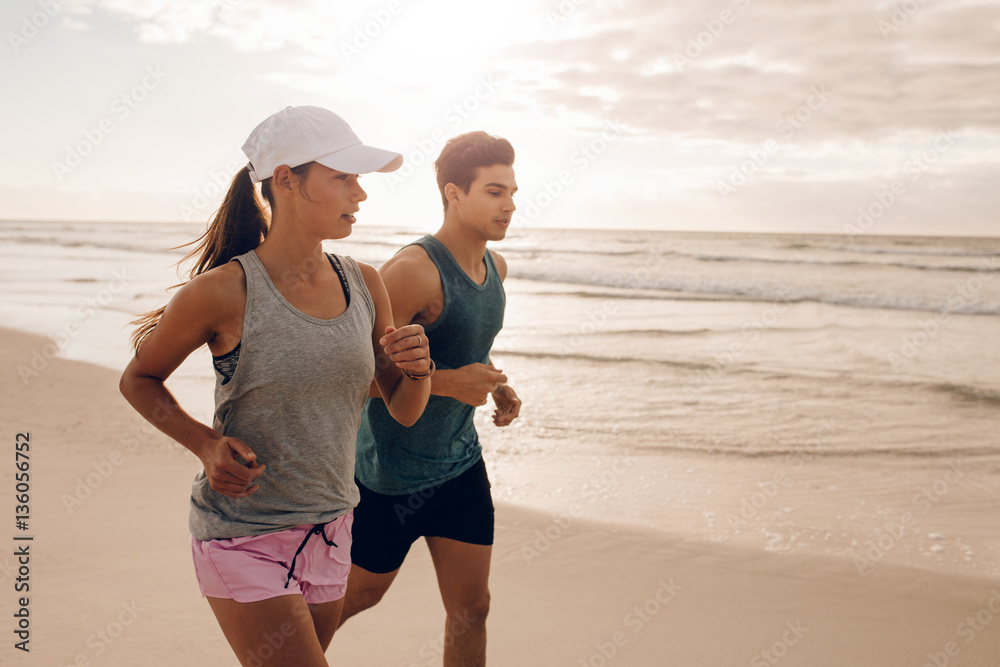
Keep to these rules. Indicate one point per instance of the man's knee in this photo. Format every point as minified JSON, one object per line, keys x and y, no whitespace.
{"x":469,"y":611}
{"x":365,"y":589}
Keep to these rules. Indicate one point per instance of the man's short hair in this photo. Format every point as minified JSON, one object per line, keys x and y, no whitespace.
{"x":463,"y":155}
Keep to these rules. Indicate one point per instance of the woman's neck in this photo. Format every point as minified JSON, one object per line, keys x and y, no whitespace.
{"x":291,"y":257}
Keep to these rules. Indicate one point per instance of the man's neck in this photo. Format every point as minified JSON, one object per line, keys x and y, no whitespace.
{"x":467,"y":249}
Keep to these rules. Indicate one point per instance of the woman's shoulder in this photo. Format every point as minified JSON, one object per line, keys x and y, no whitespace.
{"x":369,"y":274}
{"x":217,"y":289}
{"x":226,"y":280}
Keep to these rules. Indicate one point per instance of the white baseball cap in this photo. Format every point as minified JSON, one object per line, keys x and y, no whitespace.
{"x":297,"y":135}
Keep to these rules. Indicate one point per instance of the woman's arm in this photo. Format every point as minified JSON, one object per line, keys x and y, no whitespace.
{"x":190,"y":320}
{"x":398,"y":349}
{"x":414,"y":286}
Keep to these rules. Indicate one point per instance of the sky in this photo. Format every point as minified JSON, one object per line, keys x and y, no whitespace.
{"x":809,"y":116}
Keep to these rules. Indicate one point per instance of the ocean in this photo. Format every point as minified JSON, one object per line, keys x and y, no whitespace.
{"x":835,"y":395}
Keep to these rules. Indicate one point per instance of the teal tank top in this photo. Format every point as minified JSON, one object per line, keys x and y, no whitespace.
{"x":395,"y":460}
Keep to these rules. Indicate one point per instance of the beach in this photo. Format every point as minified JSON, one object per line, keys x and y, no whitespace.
{"x":734,"y":450}
{"x":112,"y":583}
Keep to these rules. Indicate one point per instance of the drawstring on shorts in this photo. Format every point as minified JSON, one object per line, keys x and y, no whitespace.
{"x":318,"y":529}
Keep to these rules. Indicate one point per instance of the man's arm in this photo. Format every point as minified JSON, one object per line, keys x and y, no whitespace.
{"x":397,"y":349}
{"x":507,"y":402}
{"x":414,"y":286}
{"x":504,"y":397}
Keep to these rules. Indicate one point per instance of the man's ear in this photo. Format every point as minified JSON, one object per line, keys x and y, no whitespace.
{"x":452,"y":192}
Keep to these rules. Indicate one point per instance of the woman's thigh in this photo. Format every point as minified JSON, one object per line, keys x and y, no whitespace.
{"x":276,"y":632}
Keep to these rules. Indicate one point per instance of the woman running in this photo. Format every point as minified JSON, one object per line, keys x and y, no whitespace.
{"x":297,"y":336}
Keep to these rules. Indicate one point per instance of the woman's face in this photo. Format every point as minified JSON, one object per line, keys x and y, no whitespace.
{"x":327,"y":200}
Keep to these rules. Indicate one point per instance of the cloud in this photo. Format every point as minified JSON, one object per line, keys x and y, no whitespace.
{"x":730,"y":70}
{"x":307,"y":24}
{"x":733,"y":71}
{"x":847,"y":90}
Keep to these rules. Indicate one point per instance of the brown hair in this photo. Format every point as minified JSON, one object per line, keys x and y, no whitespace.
{"x":239,"y":226}
{"x":463,"y":155}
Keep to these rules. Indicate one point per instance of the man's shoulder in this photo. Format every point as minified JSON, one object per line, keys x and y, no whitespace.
{"x":413,"y":268}
{"x":412,"y":260}
{"x":499,"y":262}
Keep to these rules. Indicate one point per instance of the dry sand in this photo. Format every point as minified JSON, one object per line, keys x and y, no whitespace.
{"x":112,"y":582}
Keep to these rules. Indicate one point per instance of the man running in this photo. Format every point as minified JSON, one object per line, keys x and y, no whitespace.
{"x":430,"y":480}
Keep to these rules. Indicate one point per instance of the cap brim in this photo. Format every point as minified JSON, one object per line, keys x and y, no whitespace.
{"x":361,"y":159}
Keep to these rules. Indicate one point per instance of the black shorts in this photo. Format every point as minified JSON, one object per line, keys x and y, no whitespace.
{"x":386,"y":526}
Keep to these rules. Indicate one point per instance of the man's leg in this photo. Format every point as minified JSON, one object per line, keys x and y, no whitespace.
{"x":381,"y":538}
{"x":364,"y":590}
{"x":463,"y":572}
{"x":326,"y":620}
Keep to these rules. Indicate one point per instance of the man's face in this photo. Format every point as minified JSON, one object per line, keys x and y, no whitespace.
{"x":489,"y":204}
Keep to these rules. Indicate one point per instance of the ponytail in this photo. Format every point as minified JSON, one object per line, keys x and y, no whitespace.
{"x":239,"y":226}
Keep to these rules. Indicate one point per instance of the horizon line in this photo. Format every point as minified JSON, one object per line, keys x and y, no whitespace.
{"x":516,"y":228}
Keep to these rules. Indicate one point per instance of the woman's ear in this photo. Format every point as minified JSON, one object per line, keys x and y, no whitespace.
{"x":282,"y":183}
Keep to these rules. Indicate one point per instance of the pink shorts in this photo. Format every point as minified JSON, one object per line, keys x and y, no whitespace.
{"x":256,"y":567}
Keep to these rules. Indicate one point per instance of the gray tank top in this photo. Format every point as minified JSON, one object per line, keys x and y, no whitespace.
{"x":295,"y":399}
